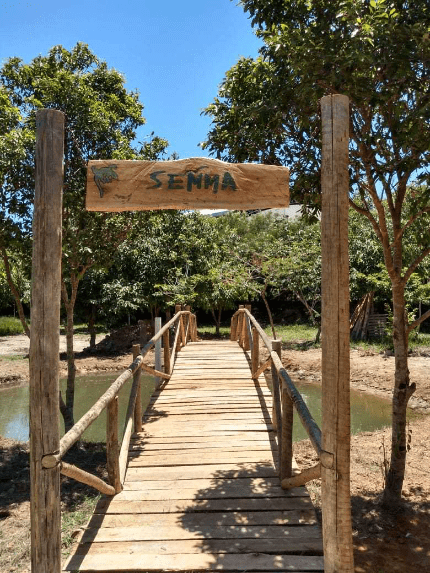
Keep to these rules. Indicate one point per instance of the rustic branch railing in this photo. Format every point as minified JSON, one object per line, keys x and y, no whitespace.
{"x":117,"y":457}
{"x":247,"y":331}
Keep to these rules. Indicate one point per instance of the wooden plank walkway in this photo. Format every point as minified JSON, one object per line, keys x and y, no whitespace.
{"x":201,"y":490}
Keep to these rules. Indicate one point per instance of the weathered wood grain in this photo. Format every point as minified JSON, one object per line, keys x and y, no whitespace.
{"x":195,"y":562}
{"x":295,"y":546}
{"x":44,"y":342}
{"x":337,"y":525}
{"x":195,"y":183}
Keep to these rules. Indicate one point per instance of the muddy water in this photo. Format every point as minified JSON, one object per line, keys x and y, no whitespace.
{"x":368,"y":412}
{"x":14,"y":419}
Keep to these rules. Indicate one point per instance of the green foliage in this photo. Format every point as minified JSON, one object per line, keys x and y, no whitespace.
{"x":295,"y":334}
{"x":9,"y":325}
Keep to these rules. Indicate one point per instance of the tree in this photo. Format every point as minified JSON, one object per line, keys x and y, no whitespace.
{"x":377,"y":53}
{"x":101,"y":119}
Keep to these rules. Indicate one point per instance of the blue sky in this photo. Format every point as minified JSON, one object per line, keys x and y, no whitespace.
{"x":174,"y":53}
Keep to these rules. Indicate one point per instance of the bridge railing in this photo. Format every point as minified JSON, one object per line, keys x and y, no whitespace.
{"x":247,"y":331}
{"x":185,"y":329}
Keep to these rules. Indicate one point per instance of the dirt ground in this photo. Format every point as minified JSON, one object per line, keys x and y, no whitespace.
{"x":384,"y":541}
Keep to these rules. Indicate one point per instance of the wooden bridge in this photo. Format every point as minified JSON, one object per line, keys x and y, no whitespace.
{"x":202,"y":488}
{"x":241,"y":517}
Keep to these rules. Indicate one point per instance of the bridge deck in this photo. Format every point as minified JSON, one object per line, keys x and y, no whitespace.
{"x":201,"y":490}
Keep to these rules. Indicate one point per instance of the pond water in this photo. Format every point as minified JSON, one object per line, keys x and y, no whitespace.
{"x":368,"y":412}
{"x":14,"y":418}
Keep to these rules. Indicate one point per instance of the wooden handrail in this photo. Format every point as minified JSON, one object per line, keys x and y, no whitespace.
{"x":117,"y":461}
{"x":73,"y":435}
{"x":311,"y":427}
{"x":84,"y":477}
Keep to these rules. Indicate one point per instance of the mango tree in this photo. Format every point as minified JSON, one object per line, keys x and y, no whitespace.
{"x":377,"y":54}
{"x":101,"y":121}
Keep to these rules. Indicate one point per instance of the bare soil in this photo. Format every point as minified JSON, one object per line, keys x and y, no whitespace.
{"x":384,"y":541}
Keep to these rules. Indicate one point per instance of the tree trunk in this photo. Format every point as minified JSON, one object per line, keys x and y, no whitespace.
{"x":217,"y":321}
{"x":269,"y":312}
{"x":92,"y":326}
{"x":67,"y":407}
{"x":403,"y":390}
{"x":15,"y":292}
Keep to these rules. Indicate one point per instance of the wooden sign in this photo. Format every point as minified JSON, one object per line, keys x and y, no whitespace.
{"x":195,"y":183}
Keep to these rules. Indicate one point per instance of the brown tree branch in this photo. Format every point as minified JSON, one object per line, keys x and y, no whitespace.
{"x":412,"y":268}
{"x":417,"y":322}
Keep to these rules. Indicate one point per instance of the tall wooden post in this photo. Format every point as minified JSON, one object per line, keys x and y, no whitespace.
{"x":336,"y":506}
{"x":44,"y":342}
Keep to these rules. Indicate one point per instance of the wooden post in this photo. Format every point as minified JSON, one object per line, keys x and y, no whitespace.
{"x":112,"y":447}
{"x":233,"y":325}
{"x":45,"y":511}
{"x":157,"y":348}
{"x":247,"y":325}
{"x":138,"y":405}
{"x":178,"y":326}
{"x":336,"y":506}
{"x":194,"y":331}
{"x":276,"y":408}
{"x":188,"y":327}
{"x":287,"y":410}
{"x":239,"y":329}
{"x":166,"y":348}
{"x":255,"y":353}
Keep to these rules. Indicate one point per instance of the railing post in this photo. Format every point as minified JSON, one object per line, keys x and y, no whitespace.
{"x":194,"y":329}
{"x":178,"y":326}
{"x":240,"y":321}
{"x":246,"y":338}
{"x":287,"y":410}
{"x":188,"y":326}
{"x":166,"y":348}
{"x":112,"y":447}
{"x":255,"y":352}
{"x":157,"y":349}
{"x":276,"y":411}
{"x":233,"y":326}
{"x":138,"y":405}
{"x":45,"y":509}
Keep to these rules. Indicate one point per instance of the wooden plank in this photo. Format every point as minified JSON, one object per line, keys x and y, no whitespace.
{"x":195,"y":183}
{"x":213,"y":392}
{"x":231,"y":470}
{"x":44,"y":342}
{"x":178,"y":442}
{"x":308,"y":546}
{"x":212,"y":417}
{"x":256,"y":400}
{"x":198,"y":489}
{"x":112,"y":506}
{"x":197,"y":449}
{"x":193,"y":562}
{"x":180,"y":531}
{"x":337,"y":524}
{"x":280,"y":518}
{"x":178,"y":409}
{"x":140,"y":458}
